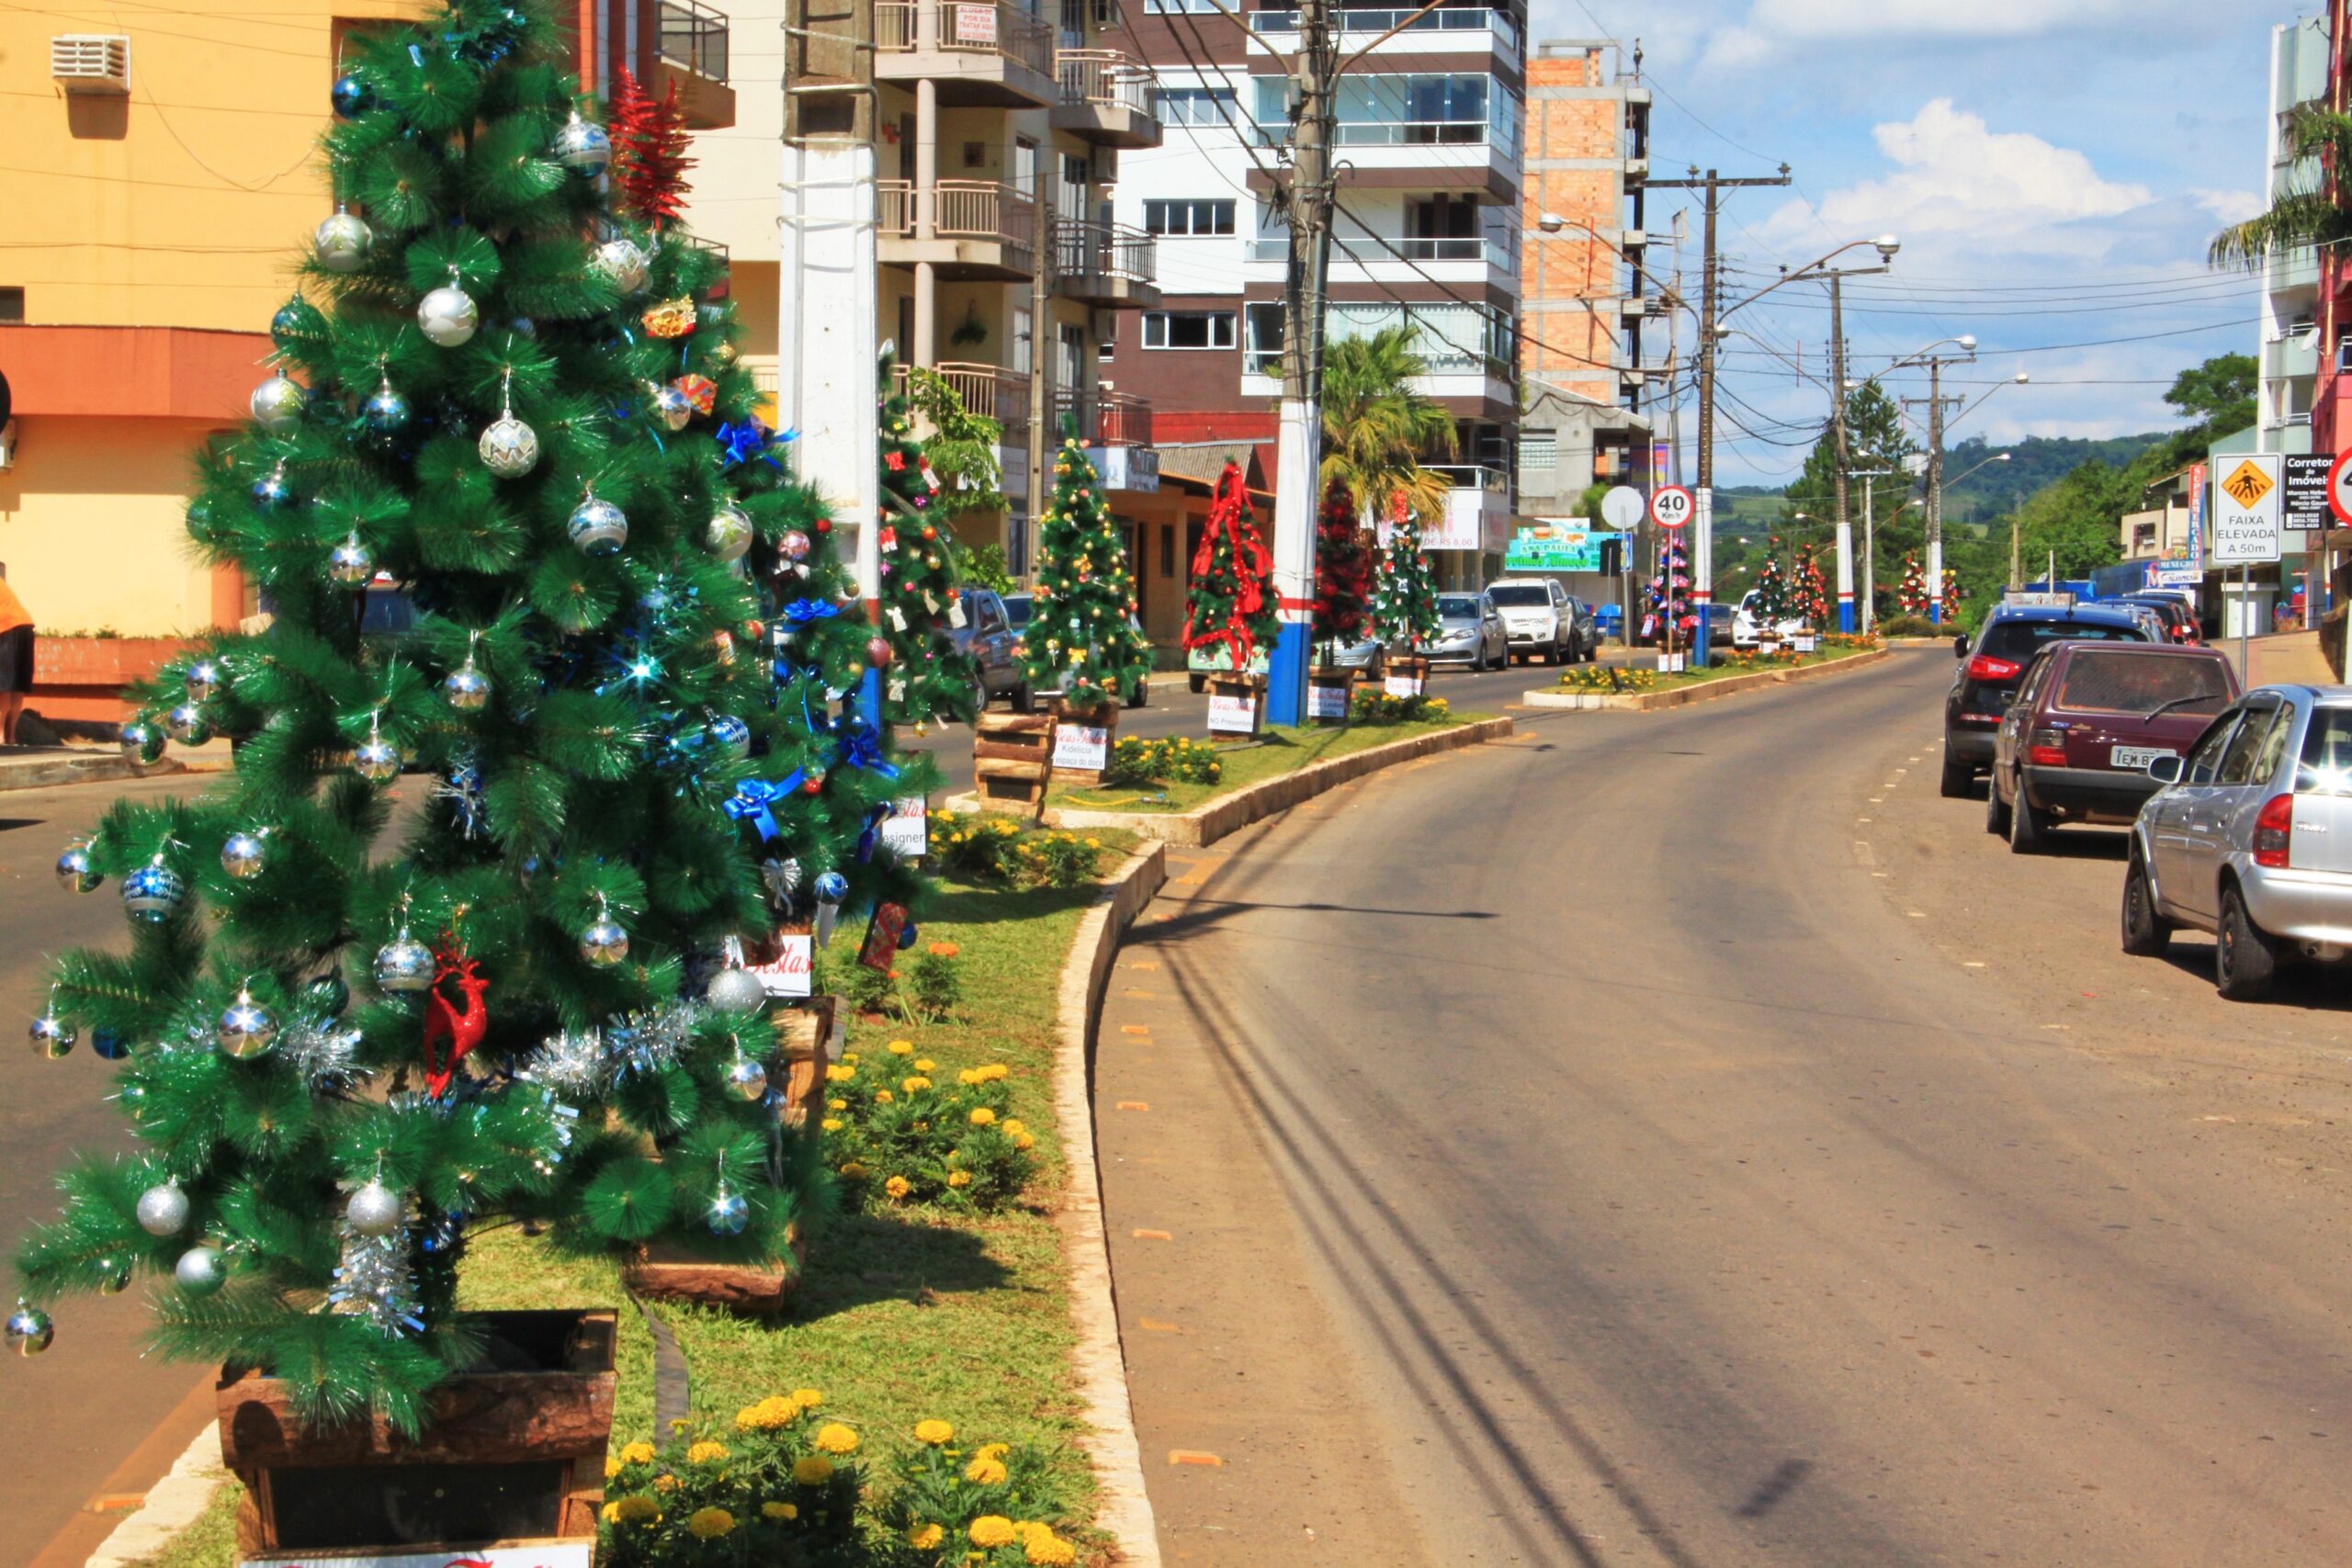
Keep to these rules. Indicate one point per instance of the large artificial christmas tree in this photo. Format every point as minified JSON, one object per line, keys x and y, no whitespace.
{"x":927,"y":677}
{"x":1809,"y":593}
{"x":1911,"y":593}
{"x":1668,"y":592}
{"x":1775,"y":598}
{"x":1230,"y":605}
{"x":1081,"y":639}
{"x":342,"y":1046}
{"x":1404,"y":601}
{"x":1343,"y":570}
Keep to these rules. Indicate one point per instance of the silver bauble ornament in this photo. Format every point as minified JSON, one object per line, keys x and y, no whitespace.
{"x":620,"y":264}
{"x":467,"y":688}
{"x":188,"y":725}
{"x":53,"y":1037}
{"x":794,"y":544}
{"x":278,"y":405}
{"x":343,"y":243}
{"x":374,"y":1210}
{"x":732,"y":736}
{"x":242,"y":856}
{"x":203,"y":680}
{"x":603,"y":942}
{"x":509,"y":448}
{"x":201,"y":1270}
{"x":377,"y":760}
{"x":736,"y":991}
{"x":75,"y":872}
{"x":349,"y":562}
{"x":597,"y":527}
{"x":162,"y":1210}
{"x":729,"y":1215}
{"x":29,"y":1330}
{"x":449,"y":316}
{"x":730,"y":534}
{"x":143,"y":742}
{"x":117,"y":1279}
{"x":152,"y":892}
{"x":247,"y":1028}
{"x":747,"y":1078}
{"x":582,"y":147}
{"x":672,"y":408}
{"x":403,"y":964}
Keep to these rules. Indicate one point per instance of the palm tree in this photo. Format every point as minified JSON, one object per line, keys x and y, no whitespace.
{"x":2305,"y":213}
{"x":1376,"y":426}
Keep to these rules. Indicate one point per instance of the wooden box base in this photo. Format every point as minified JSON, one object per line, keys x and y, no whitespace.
{"x":1105,"y":718}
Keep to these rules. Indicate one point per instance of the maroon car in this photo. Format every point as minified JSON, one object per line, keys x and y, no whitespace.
{"x":2076,"y":741}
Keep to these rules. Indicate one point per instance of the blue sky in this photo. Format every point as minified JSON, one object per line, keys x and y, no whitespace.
{"x":2054,"y":168}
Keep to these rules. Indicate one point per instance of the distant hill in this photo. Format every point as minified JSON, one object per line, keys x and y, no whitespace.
{"x":1993,"y":491}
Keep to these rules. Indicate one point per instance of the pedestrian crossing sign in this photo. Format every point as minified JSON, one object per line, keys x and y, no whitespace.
{"x":2248,"y":483}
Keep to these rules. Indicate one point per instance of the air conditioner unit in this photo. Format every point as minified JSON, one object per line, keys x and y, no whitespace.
{"x":1106,"y":166}
{"x":1104,"y":325}
{"x":1637,"y":168}
{"x":1632,"y":239}
{"x":90,"y":62}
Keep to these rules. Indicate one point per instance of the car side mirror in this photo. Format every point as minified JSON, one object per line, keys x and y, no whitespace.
{"x":2165,"y":769}
{"x":1959,"y":646}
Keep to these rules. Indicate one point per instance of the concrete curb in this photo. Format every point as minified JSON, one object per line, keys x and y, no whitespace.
{"x":1124,"y":1509}
{"x":1650,"y":702}
{"x":172,"y":1504}
{"x":43,"y":772}
{"x":1206,"y":823}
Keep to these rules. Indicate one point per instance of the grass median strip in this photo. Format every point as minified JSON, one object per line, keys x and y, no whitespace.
{"x":1279,"y":750}
{"x":1604,"y":680}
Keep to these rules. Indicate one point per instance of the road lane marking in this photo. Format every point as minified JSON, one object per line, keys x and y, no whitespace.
{"x":1140,"y":963}
{"x":1194,"y":1456}
{"x":1973,"y":964}
{"x":1134,"y":1029}
{"x":1131,"y":1105}
{"x":1153,"y":1325}
{"x":1153,"y":1235}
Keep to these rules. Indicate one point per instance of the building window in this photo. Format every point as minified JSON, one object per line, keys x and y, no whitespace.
{"x":1188,"y":328}
{"x":1539,"y":451}
{"x":1188,"y":218}
{"x":1170,"y":7}
{"x":12,"y":305}
{"x":1106,"y":348}
{"x":1265,"y":357}
{"x":1168,"y":550}
{"x":1196,"y":106}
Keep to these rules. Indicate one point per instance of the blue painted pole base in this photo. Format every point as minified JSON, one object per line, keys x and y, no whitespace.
{"x":1287,"y":675}
{"x":1845,"y":616}
{"x":1703,"y":641}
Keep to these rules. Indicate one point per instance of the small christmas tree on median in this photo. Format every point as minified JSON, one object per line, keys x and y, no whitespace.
{"x":1775,"y":596}
{"x":1081,"y":639}
{"x":1404,"y":601}
{"x":1911,"y":593}
{"x":1230,"y":606}
{"x":927,"y":677}
{"x":1811,"y":594}
{"x":1342,"y":571}
{"x":1952,"y":592}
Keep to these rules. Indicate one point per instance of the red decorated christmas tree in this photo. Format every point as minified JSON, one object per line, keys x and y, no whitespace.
{"x":1812,"y":593}
{"x":1342,"y":570}
{"x":1231,"y":603}
{"x":649,"y":143}
{"x":1951,"y":591}
{"x":1911,"y":593}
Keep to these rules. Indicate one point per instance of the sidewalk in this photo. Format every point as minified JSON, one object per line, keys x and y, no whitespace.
{"x":41,"y":767}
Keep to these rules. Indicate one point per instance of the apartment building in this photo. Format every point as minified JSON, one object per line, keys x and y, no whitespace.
{"x":1426,"y":236}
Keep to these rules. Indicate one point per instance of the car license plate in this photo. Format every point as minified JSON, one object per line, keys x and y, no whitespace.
{"x":2136,"y":757}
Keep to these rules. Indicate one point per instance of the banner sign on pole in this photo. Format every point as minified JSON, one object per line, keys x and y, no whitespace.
{"x":2183,"y":566}
{"x":1556,"y":545}
{"x":2305,"y":481}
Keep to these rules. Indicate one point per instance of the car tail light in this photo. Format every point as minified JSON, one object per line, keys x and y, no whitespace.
{"x":2047,"y":749}
{"x":1985,"y":666}
{"x":2272,"y":828}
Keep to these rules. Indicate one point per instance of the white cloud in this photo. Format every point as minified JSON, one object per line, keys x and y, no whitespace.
{"x":1776,"y":29}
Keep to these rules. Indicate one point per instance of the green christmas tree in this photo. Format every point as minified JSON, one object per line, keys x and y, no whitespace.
{"x":1776,"y":599}
{"x":1230,"y":605}
{"x":1404,"y":601}
{"x":1081,"y":639}
{"x":342,"y":1047}
{"x":1809,"y":591}
{"x":927,"y":676}
{"x":1952,"y":592}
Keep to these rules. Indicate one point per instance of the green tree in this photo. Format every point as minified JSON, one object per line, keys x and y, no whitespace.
{"x":962,"y":447}
{"x":1377,"y":427}
{"x":2308,"y":209}
{"x":1875,"y":438}
{"x":516,"y":403}
{"x":2079,"y":518}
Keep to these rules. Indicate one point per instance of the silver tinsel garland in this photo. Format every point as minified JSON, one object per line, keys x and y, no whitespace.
{"x":374,"y":1280}
{"x":324,"y":1051}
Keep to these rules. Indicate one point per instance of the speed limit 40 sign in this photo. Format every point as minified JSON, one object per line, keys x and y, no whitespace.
{"x":1671,"y":507}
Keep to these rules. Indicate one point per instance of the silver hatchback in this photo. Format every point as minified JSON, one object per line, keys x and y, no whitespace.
{"x":2250,"y":838}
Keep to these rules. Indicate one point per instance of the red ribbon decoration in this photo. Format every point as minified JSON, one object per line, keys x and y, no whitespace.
{"x":1229,"y":518}
{"x":456,"y":1031}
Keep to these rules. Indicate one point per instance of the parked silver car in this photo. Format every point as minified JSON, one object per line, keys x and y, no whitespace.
{"x":1469,"y":628}
{"x":2250,"y":838}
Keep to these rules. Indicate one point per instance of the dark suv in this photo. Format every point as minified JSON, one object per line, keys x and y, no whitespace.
{"x":1989,"y":675}
{"x":2181,"y":621}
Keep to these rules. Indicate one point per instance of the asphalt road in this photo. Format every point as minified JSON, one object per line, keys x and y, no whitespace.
{"x":1684,"y":1139}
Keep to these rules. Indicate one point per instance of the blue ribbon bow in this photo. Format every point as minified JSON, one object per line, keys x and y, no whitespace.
{"x":862,"y":748}
{"x":806,"y":610}
{"x":753,"y":802}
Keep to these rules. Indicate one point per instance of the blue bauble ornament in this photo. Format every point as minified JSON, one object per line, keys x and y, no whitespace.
{"x":271,"y":492}
{"x":351,"y":97}
{"x":153,"y":892}
{"x":832,"y":887}
{"x":111,"y":1045}
{"x":387,"y":412}
{"x":729,"y":1215}
{"x":731,"y":735}
{"x":584,"y":148}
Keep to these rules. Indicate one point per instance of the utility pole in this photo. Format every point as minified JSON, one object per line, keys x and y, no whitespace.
{"x":1299,"y":448}
{"x":1837,"y":423}
{"x":1869,"y":538}
{"x":1936,"y":400}
{"x":1702,"y":553}
{"x":1043,"y":435}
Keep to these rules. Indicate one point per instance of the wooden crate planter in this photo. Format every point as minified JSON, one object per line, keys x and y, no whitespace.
{"x":1235,"y":690}
{"x":515,"y":1454}
{"x":1409,"y":667}
{"x":668,"y":1269}
{"x":1067,"y":718}
{"x":1330,"y":690}
{"x":1013,"y":760}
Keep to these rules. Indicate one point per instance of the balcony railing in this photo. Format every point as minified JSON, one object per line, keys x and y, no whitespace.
{"x":1471,"y":476}
{"x":972,"y":27}
{"x":960,"y":210}
{"x":1362,"y":248}
{"x":894,"y":208}
{"x":1104,"y":250}
{"x":988,"y":390}
{"x":1105,"y":78}
{"x":692,"y":37}
{"x":1372,"y":24}
{"x":1106,"y":417}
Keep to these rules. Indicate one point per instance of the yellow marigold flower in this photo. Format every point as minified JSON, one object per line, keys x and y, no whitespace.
{"x":780,"y":1510}
{"x":923,"y":1127}
{"x":985,"y":1472}
{"x":1024,"y":1142}
{"x":954,"y":1156}
{"x":884,"y":1097}
{"x":612,"y":1466}
{"x":840,"y":1072}
{"x":994,"y":1451}
{"x":967,"y":1077}
{"x":926,"y":1064}
{"x":807,"y":1398}
{"x":813,"y":1471}
{"x":997,"y":1070}
{"x":990,"y":1531}
{"x":665,"y":1483}
{"x":898,"y":1187}
{"x":837,"y":1105}
{"x":831,"y":1123}
{"x":705,"y":1453}
{"x":679,"y":1424}
{"x":902,"y":1047}
{"x":945,"y":949}
{"x":851,"y":1057}
{"x":983,"y":1117}
{"x":1093,"y":844}
{"x":924,"y":1538}
{"x":637,"y":1510}
{"x":836,"y":1438}
{"x":710,"y":1524}
{"x":959,"y":1179}
{"x":769,"y":1413}
{"x":1014,"y":1126}
{"x":1050,"y":1550}
{"x":915,"y":1085}
{"x":638,"y":1453}
{"x":855,"y":1171}
{"x":934,"y":1432}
